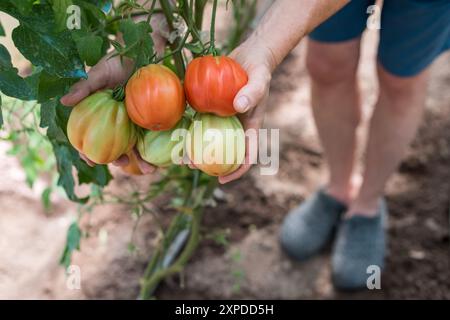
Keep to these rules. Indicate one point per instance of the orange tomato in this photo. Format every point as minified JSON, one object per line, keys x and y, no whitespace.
{"x":211,"y":83}
{"x":155,"y":98}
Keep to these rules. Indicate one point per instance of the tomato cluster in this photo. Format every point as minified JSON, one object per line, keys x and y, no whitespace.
{"x":103,"y":129}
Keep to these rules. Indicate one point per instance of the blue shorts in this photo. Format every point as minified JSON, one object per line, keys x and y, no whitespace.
{"x":413,"y":32}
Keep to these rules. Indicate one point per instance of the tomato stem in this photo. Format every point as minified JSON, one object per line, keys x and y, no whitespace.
{"x":198,"y":14}
{"x":176,"y":50}
{"x":212,"y":31}
{"x":177,"y":56}
{"x":188,"y":15}
{"x":132,"y":15}
{"x":119,"y":93}
{"x":153,"y":277}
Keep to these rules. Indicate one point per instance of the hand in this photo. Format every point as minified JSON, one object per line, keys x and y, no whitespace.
{"x":251,"y":101}
{"x":108,"y":73}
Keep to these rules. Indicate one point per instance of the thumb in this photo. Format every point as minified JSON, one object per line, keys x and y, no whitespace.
{"x":254,"y":91}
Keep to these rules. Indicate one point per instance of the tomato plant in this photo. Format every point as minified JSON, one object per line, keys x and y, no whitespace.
{"x":99,"y":128}
{"x":29,"y":144}
{"x":211,"y":84}
{"x":60,"y":39}
{"x":155,"y":98}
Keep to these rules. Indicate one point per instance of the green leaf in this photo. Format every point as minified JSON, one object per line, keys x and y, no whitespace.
{"x":45,"y":198}
{"x":90,"y":48}
{"x":5,"y":58}
{"x":56,"y":53}
{"x":98,"y":174}
{"x":11,"y":83}
{"x":195,"y":47}
{"x":64,"y":165}
{"x":1,"y":113}
{"x":2,"y":31}
{"x":60,"y":9}
{"x":94,"y":14}
{"x":138,"y":42}
{"x":54,"y":118}
{"x":38,"y":40}
{"x":51,"y":86}
{"x":24,"y":6}
{"x":72,"y":244}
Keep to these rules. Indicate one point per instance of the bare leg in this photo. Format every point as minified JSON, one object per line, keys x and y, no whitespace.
{"x":393,"y":126}
{"x":336,"y":108}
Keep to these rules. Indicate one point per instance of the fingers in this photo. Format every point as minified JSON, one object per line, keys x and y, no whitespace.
{"x":88,"y":162}
{"x":191,"y":166}
{"x":188,"y":162}
{"x":123,"y":161}
{"x":235,"y":175}
{"x":254,"y":91}
{"x":239,"y":172}
{"x":144,"y":166}
{"x":97,"y":79}
{"x":251,"y":156}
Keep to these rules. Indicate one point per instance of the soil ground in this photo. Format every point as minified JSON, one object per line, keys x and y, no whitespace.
{"x":251,"y":265}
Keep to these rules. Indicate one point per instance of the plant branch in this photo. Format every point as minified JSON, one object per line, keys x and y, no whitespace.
{"x":198,"y":14}
{"x":176,"y":50}
{"x":150,"y":283}
{"x":212,"y":31}
{"x":178,"y":58}
{"x":148,"y":286}
{"x":133,"y":15}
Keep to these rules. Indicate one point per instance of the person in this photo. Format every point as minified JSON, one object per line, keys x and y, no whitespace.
{"x":413,"y":33}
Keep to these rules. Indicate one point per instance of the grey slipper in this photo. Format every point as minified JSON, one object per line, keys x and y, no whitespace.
{"x":359,"y":249}
{"x":308,"y":228}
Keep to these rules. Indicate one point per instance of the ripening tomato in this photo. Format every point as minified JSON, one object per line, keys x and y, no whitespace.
{"x":156,"y":147}
{"x":132,"y":166}
{"x":100,"y":128}
{"x":154,"y":98}
{"x":211,"y":83}
{"x":216,"y":145}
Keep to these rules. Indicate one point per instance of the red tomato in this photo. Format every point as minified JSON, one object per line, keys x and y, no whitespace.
{"x":154,"y":98}
{"x":211,"y":83}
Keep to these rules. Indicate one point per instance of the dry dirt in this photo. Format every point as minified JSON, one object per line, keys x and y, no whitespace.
{"x":252,"y":265}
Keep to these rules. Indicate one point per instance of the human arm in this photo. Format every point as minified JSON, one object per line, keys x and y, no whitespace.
{"x":285,"y":23}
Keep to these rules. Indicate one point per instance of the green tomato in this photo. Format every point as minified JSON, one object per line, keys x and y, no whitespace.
{"x":156,"y":147}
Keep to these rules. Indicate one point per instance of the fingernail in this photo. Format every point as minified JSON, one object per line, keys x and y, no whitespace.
{"x":242,"y":104}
